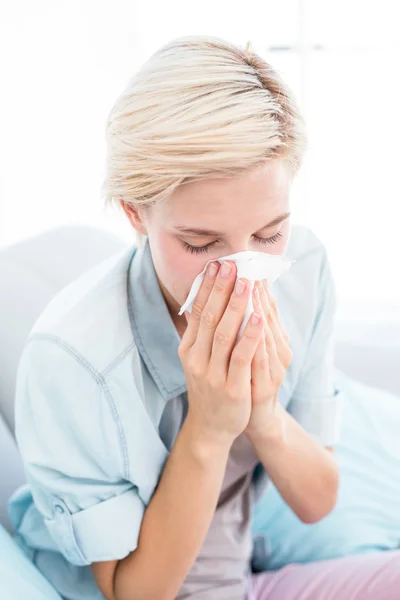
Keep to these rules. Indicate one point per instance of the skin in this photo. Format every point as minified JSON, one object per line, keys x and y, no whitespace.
{"x":244,"y":210}
{"x":236,"y":207}
{"x":250,"y":212}
{"x":305,"y":474}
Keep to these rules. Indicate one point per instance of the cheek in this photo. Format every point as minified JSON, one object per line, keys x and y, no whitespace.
{"x":177,"y":267}
{"x":187,"y":267}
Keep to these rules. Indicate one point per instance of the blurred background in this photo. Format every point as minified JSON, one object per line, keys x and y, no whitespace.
{"x":64,"y":64}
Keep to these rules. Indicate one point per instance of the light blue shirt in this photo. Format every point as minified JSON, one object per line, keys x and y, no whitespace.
{"x":101,"y":396}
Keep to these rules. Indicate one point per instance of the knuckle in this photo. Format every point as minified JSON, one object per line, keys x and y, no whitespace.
{"x":288,"y":358}
{"x":219,"y":286}
{"x":208,"y":284}
{"x":182,"y":349}
{"x":250,"y":334}
{"x":279,"y":376}
{"x":234,"y":393}
{"x":193,"y":367}
{"x":239,"y":359}
{"x":197,"y":309}
{"x":261,"y":362}
{"x":222,"y":338}
{"x":208,"y":319}
{"x":235,"y":305}
{"x":215,"y":382}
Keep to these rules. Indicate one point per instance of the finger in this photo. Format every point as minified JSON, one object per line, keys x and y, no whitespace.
{"x":276,"y":345}
{"x":227,"y":329}
{"x":239,"y":371}
{"x":215,"y":307}
{"x":275,"y":309}
{"x":282,"y":342}
{"x":258,"y":305}
{"x":276,"y":368}
{"x":270,"y":313}
{"x":193,"y":318}
{"x":271,"y":299}
{"x":260,"y":375}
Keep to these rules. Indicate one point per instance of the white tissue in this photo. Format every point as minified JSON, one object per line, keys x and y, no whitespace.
{"x":254,"y":266}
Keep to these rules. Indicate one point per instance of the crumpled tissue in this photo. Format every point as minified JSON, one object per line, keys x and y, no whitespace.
{"x":254,"y":266}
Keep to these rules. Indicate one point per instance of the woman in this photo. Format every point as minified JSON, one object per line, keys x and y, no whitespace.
{"x":147,"y":435}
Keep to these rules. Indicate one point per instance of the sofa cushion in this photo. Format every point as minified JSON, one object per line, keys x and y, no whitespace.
{"x":367,"y":515}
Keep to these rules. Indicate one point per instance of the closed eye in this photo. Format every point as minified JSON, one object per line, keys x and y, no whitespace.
{"x":202,"y":249}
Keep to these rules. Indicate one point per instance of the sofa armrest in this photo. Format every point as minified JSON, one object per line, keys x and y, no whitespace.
{"x":368,"y":346}
{"x":11,"y":471}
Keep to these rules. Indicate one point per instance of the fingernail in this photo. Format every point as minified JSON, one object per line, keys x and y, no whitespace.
{"x":226,"y":269}
{"x":255,"y":319}
{"x":240,"y":287}
{"x":212,"y":269}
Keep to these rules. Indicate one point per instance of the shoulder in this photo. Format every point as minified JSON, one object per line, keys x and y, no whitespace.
{"x":62,"y":373}
{"x":306,"y":289}
{"x":306,"y":248}
{"x":62,"y":414}
{"x":89,"y":317}
{"x":306,"y":279}
{"x":81,"y":388}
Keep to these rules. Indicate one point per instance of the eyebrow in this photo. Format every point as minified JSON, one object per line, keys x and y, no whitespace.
{"x":209,"y":232}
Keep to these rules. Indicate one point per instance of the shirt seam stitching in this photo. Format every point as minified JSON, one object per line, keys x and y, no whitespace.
{"x":99,"y":379}
{"x":117,"y":360}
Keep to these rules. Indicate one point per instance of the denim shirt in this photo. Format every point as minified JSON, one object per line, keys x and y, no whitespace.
{"x":101,"y":396}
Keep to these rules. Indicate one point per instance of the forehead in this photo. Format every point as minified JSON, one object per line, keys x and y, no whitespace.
{"x":260,"y":193}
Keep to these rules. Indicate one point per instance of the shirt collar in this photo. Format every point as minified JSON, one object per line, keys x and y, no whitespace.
{"x":153,"y":329}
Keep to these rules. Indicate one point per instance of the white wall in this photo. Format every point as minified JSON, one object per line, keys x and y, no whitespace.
{"x":64,"y":64}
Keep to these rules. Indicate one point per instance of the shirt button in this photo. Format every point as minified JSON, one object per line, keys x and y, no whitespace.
{"x":59,"y":509}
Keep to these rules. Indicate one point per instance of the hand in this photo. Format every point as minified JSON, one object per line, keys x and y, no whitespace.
{"x":217,"y":369}
{"x":272,"y":358}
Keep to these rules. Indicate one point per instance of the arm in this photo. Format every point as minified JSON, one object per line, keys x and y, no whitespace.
{"x":174,"y":525}
{"x":81,"y":480}
{"x":303,"y":471}
{"x":217,"y":371}
{"x":290,"y":443}
{"x":137,"y":551}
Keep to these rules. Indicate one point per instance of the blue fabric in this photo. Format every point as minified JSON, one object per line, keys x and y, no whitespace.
{"x":19,"y":579}
{"x":367,"y":515}
{"x":101,"y":395}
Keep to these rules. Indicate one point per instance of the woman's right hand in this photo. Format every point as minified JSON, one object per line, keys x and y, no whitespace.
{"x":216,"y":368}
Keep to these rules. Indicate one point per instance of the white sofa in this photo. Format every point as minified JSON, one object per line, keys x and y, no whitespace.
{"x":31,"y":273}
{"x":34,"y":270}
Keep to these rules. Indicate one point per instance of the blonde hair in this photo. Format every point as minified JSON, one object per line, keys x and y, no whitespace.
{"x":200,"y":107}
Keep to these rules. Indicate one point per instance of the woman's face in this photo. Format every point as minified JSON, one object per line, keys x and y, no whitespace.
{"x":208,"y":219}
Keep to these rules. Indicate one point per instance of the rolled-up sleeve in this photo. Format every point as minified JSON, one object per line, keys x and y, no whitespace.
{"x":72,"y":444}
{"x":108,"y":530}
{"x":316,"y":400}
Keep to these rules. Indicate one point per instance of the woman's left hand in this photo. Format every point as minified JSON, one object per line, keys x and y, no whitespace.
{"x":271,"y":360}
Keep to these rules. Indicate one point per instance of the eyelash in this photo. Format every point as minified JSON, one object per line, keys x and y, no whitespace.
{"x":202,"y":249}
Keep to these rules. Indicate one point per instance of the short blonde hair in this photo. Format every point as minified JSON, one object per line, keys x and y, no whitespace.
{"x":200,"y":107}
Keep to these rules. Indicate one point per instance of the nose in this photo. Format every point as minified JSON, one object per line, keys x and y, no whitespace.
{"x":235,"y":248}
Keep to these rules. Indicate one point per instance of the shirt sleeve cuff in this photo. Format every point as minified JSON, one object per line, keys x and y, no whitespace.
{"x":320,"y":417}
{"x":108,"y":530}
